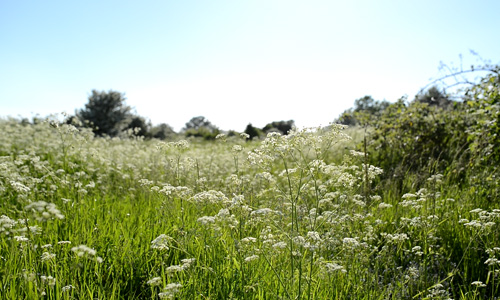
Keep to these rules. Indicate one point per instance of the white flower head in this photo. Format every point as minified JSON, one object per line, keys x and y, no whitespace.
{"x":48,"y":256}
{"x":170,"y":290}
{"x":161,"y":242}
{"x":43,"y":211}
{"x":251,"y":258}
{"x":332,"y":267}
{"x":67,"y":288}
{"x":156,"y":281}
{"x":478,"y":284}
{"x":85,"y":251}
{"x":49,"y":280}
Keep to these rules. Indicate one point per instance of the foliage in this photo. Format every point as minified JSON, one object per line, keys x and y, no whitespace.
{"x":201,"y":127}
{"x":253,"y":132}
{"x":139,"y":126}
{"x":106,"y":113}
{"x":199,"y":122}
{"x":162,"y":131}
{"x":282,"y":127}
{"x":365,"y":107}
{"x":434,"y":96}
{"x":418,"y":137}
{"x":483,"y":101}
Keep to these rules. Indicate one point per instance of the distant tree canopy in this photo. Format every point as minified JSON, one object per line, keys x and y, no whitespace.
{"x":367,"y":108}
{"x":198,"y":123}
{"x":252,"y":131}
{"x":162,"y":131}
{"x":139,"y":125}
{"x":106,"y":113}
{"x":434,"y":96}
{"x":281,"y":126}
{"x":364,"y":108}
{"x":201,"y":127}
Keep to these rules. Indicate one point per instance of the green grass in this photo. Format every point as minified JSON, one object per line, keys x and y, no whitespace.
{"x":285,"y":218}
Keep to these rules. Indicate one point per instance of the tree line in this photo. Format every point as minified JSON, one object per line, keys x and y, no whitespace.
{"x":107,"y":114}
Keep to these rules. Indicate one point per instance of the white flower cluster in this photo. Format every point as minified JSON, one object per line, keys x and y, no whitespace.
{"x":19,"y":187}
{"x":161,"y":242}
{"x":85,"y":251}
{"x":170,"y":290}
{"x":49,"y":280}
{"x":48,"y":256}
{"x":185,"y":264}
{"x":43,"y":211}
{"x":170,"y":190}
{"x":7,"y":225}
{"x":210,"y":197}
{"x":484,"y":222}
{"x":179,"y":145}
{"x":332,"y":267}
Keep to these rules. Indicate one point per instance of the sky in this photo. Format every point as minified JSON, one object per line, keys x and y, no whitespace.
{"x":234,"y":62}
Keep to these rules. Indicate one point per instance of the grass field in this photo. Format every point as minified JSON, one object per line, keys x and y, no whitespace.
{"x":290,"y":217}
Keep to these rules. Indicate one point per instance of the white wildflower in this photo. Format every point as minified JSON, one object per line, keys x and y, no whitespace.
{"x":48,"y":256}
{"x":251,"y":258}
{"x":492,"y":261}
{"x":21,"y":238}
{"x":170,"y":290}
{"x":51,"y":281}
{"x":210,"y":197}
{"x":67,"y":288}
{"x":156,"y":281}
{"x":7,"y":224}
{"x":333,"y":267}
{"x":280,"y":245}
{"x":85,"y":251}
{"x":19,"y":187}
{"x":249,"y":240}
{"x":161,"y":242}
{"x":478,"y":284}
{"x":237,"y":148}
{"x":205,"y":220}
{"x":43,"y":211}
{"x":384,"y":205}
{"x":350,"y":242}
{"x":174,"y":269}
{"x":187,"y":262}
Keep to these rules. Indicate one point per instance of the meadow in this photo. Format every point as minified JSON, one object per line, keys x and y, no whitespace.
{"x":297,"y":216}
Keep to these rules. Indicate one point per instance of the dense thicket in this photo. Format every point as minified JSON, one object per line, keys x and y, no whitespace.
{"x":433,"y":134}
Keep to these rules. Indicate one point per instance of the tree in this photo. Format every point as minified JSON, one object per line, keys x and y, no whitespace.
{"x":347,"y":118}
{"x":252,"y":131}
{"x":365,"y":108}
{"x":162,"y":131}
{"x":282,"y":126}
{"x":199,"y":122}
{"x":139,"y":125}
{"x":201,"y":127}
{"x":434,"y":96}
{"x":106,"y":113}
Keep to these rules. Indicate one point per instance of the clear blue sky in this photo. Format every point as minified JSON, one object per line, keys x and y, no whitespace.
{"x":234,"y":62}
